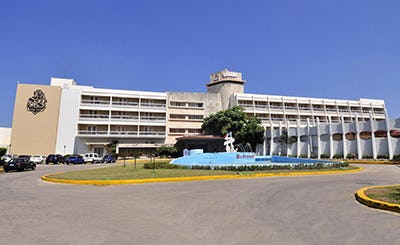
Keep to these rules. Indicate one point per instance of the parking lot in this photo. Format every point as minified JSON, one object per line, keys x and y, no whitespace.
{"x":284,"y":210}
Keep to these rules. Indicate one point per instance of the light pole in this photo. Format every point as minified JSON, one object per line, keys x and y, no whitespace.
{"x":64,"y":149}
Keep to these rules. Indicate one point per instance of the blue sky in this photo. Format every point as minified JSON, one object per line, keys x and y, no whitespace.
{"x":331,"y":49}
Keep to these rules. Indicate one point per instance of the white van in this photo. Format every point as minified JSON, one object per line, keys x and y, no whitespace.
{"x":92,"y":157}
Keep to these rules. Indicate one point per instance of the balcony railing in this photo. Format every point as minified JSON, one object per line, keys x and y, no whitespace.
{"x":125,"y":103}
{"x":152,"y":119}
{"x":123,"y":118}
{"x":94,"y":117}
{"x":152,"y":133}
{"x":95,"y":102}
{"x":152,"y":105}
{"x":90,"y":132}
{"x":117,"y":132}
{"x":246,"y":105}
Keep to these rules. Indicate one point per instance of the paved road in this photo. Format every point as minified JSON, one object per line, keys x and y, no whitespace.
{"x":282,"y":210}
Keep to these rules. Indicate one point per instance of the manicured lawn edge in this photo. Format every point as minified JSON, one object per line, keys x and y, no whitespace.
{"x":357,"y":161}
{"x":373,"y":203}
{"x":48,"y":178}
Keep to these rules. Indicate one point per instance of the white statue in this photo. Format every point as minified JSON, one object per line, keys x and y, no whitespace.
{"x":229,"y":142}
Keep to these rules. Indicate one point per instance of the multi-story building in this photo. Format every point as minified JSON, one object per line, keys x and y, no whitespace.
{"x":67,"y":118}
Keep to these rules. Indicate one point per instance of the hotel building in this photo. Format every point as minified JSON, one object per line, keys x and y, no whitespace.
{"x":66,"y":118}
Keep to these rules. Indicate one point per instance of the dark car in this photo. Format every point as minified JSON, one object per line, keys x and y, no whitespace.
{"x":109,"y":158}
{"x":74,"y":159}
{"x":54,"y":158}
{"x":20,"y":164}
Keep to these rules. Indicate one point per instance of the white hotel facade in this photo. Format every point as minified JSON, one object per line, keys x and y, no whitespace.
{"x":79,"y":119}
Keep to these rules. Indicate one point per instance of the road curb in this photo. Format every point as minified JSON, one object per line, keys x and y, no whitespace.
{"x":48,"y":178}
{"x":373,"y":203}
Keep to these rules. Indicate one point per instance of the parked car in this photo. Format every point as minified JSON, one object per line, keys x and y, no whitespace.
{"x":55,"y":159}
{"x":74,"y":159}
{"x":38,"y":159}
{"x":20,"y":163}
{"x":92,"y":157}
{"x":8,"y":157}
{"x":109,"y":158}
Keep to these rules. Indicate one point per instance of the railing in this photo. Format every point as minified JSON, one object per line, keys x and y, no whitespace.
{"x":125,"y":103}
{"x":290,"y":108}
{"x":152,"y":119}
{"x":123,"y":118}
{"x":318,"y":109}
{"x":344,"y":110}
{"x":93,"y":117}
{"x":95,"y":102}
{"x":379,"y":112}
{"x":152,"y":105}
{"x":276,"y":107}
{"x":331,"y":110}
{"x":246,"y":105}
{"x":89,"y":132}
{"x":152,"y":133}
{"x":116,"y":132}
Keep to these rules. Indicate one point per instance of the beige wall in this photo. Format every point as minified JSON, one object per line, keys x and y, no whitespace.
{"x":35,"y":134}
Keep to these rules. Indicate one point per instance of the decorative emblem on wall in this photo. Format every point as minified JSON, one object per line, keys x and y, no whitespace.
{"x":37,"y":103}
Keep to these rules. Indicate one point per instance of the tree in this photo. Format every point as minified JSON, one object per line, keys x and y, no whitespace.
{"x":245,"y":129}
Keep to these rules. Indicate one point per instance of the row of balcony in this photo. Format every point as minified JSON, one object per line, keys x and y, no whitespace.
{"x":121,"y":133}
{"x":125,"y":104}
{"x":101,"y":117}
{"x":294,"y":108}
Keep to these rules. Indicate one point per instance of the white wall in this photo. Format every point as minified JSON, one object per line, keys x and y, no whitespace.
{"x":5,"y":136}
{"x":69,"y":115}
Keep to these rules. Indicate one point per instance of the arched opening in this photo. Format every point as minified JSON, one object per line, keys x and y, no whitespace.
{"x":395,"y":133}
{"x":365,"y":135}
{"x":351,"y":136}
{"x":380,"y":133}
{"x":304,"y":138}
{"x":337,"y":136}
{"x":324,"y":137}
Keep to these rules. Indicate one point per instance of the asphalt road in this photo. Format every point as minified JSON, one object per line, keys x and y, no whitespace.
{"x":279,"y":210}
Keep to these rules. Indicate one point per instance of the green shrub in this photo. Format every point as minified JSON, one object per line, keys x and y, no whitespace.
{"x":396,"y":157}
{"x":351,"y":156}
{"x":159,"y":165}
{"x":3,"y":151}
{"x":312,"y":155}
{"x":167,"y":151}
{"x":303,"y":156}
{"x":367,"y":156}
{"x":338,"y":156}
{"x":383,"y":156}
{"x":325,"y":155}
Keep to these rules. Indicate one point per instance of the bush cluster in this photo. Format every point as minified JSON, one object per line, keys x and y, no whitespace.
{"x":159,"y":165}
{"x":338,"y":156}
{"x":324,"y":155}
{"x":367,"y":156}
{"x":383,"y":156}
{"x":300,"y":166}
{"x":351,"y":156}
{"x":396,"y":157}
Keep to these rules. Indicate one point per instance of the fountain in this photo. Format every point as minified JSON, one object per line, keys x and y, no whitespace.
{"x":232,"y":157}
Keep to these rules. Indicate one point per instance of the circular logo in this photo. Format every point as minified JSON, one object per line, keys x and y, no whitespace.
{"x":37,"y":103}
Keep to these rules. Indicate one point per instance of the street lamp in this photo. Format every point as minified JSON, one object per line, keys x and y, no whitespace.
{"x":64,"y":149}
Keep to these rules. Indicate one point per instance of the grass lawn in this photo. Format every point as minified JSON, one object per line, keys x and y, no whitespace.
{"x":130,"y":172}
{"x":386,"y":194}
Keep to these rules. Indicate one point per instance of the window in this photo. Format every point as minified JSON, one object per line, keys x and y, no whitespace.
{"x":177,"y":130}
{"x":194,"y":131}
{"x":177,"y":116}
{"x":198,"y":105}
{"x":195,"y":117}
{"x":177,"y":104}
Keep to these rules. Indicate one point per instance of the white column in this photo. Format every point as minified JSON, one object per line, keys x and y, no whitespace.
{"x":287,"y":145}
{"x":358,"y":138}
{"x":330,"y":138}
{"x":389,"y":139}
{"x":280,"y":134}
{"x":298,"y":139}
{"x":318,"y":140}
{"x":343,"y":137}
{"x":271,"y":146}
{"x":373,"y":141}
{"x":309,"y":138}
